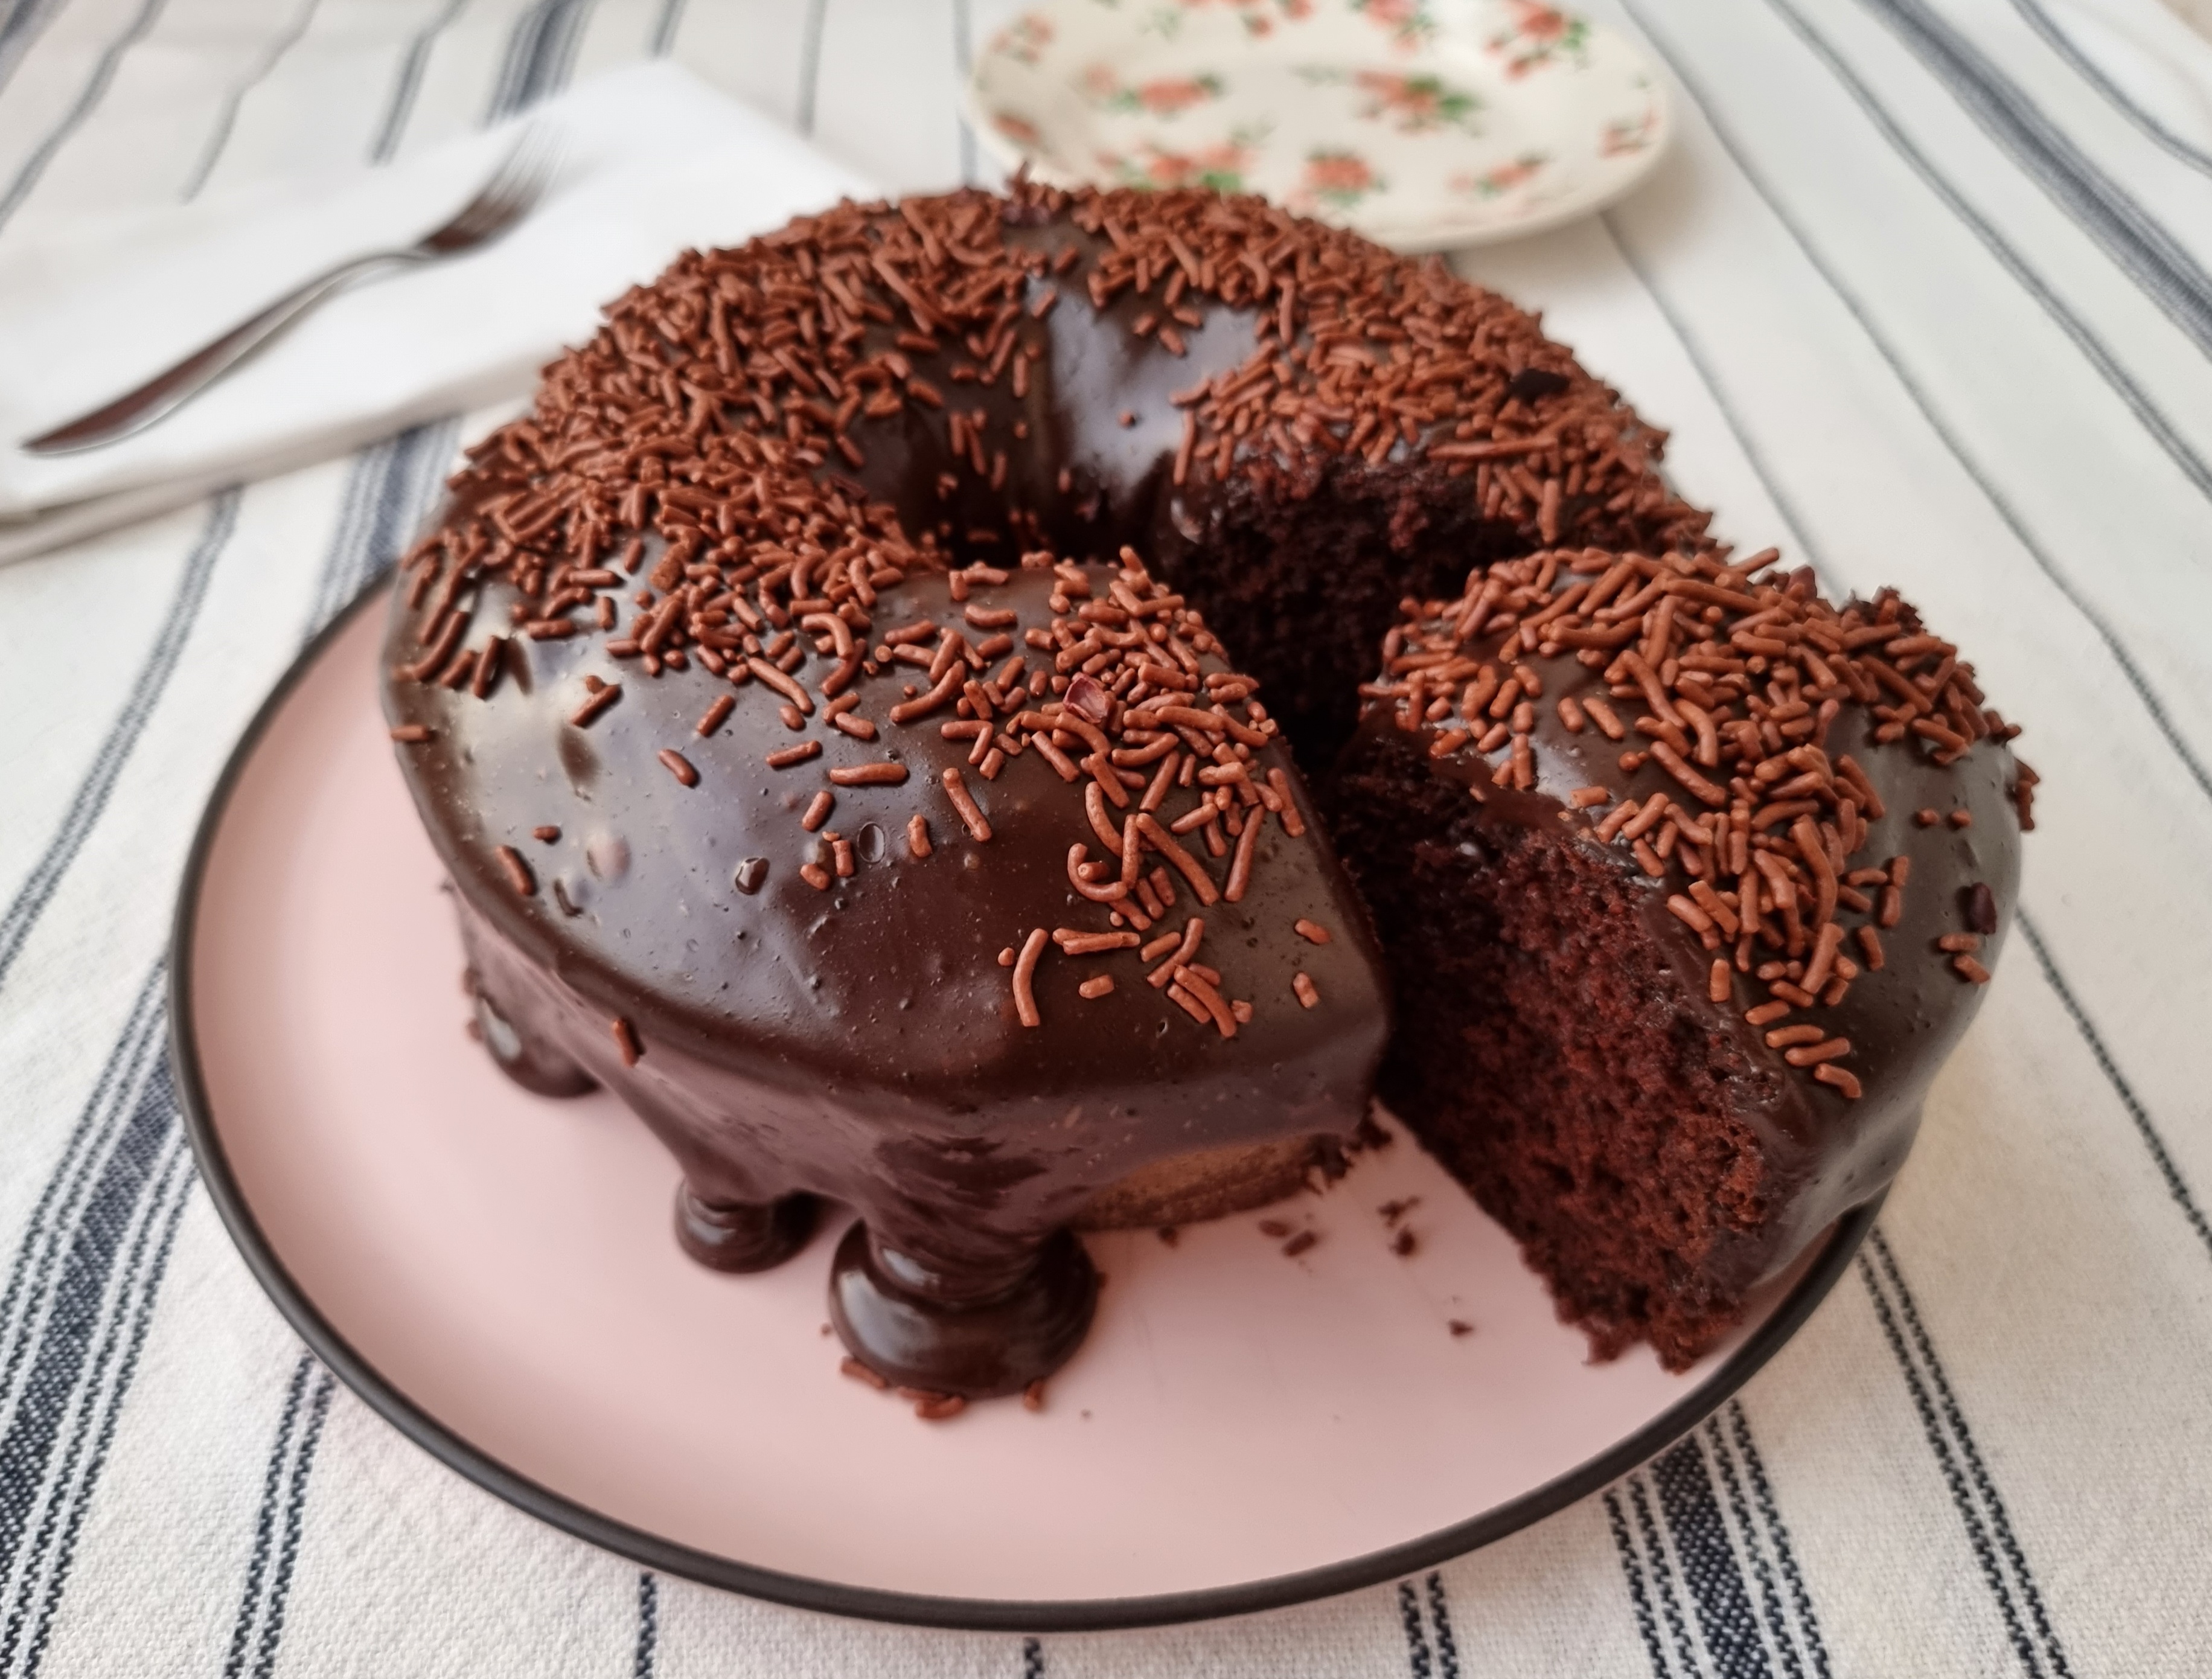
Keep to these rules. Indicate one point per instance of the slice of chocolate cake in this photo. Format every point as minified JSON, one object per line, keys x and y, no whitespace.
{"x":1688,"y":883}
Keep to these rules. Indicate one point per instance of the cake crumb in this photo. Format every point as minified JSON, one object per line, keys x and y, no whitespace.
{"x":1274,"y":1227}
{"x":1459,"y":1327}
{"x":1033,"y":1396}
{"x":860,"y":1373}
{"x":1169,"y":1235}
{"x":1404,"y":1243}
{"x":1392,"y":1211}
{"x":1299,"y":1243}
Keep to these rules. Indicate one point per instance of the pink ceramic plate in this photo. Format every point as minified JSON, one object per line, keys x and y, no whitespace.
{"x":495,"y":1273}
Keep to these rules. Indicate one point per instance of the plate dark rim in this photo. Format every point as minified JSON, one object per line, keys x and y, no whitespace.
{"x":827,"y":1596}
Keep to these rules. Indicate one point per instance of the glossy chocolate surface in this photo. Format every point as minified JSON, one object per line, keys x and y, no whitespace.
{"x":862,"y":1041}
{"x":1352,"y":428}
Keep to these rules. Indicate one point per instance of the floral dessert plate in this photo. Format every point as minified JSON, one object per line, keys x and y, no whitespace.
{"x":1339,"y":1390}
{"x":1422,"y":124}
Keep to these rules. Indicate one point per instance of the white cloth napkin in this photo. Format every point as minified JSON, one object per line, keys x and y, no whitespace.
{"x":652,"y":160}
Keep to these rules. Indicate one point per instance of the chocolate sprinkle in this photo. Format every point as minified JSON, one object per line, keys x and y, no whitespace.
{"x":517,"y":870}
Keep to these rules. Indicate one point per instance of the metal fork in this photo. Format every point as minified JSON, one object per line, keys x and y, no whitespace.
{"x":510,"y":193}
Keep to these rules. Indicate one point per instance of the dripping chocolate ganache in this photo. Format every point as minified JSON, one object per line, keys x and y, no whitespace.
{"x":857,"y":706}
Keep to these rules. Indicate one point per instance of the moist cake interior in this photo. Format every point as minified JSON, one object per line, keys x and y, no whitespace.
{"x":1538,"y":1044}
{"x":1302,"y":581}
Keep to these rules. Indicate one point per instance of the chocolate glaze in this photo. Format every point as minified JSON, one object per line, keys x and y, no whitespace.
{"x":1393,"y":527}
{"x":862,"y":1042}
{"x":1824,"y":1154}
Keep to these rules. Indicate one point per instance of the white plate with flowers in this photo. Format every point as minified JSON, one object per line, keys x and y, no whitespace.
{"x":1422,"y":124}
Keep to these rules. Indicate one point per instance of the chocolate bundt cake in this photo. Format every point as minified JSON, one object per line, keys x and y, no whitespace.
{"x":817,"y":703}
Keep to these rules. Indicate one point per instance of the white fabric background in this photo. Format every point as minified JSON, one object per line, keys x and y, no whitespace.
{"x":649,"y":160}
{"x":1923,"y":293}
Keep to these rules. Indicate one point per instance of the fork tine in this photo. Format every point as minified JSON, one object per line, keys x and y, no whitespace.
{"x":521,"y":178}
{"x":511,"y":193}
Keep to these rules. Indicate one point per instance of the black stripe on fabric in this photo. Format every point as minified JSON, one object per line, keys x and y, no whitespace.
{"x":1639,"y":1598}
{"x":44,"y":1257}
{"x":963,"y":58}
{"x":421,"y":456}
{"x":409,"y":84}
{"x":1710,"y":1571}
{"x":365,"y":479}
{"x":809,"y":62}
{"x":295,"y":1523}
{"x":44,"y":1244}
{"x":88,"y":100}
{"x":665,"y":28}
{"x":1794,"y":1638}
{"x":1032,"y":1658}
{"x":541,"y":52}
{"x":226,"y":118}
{"x":2133,"y":238}
{"x":1694,"y":350}
{"x":149,"y":1265}
{"x":1440,"y":1620}
{"x":56,"y":1443}
{"x":1778,"y":1535}
{"x":265,"y":1519}
{"x":1416,"y":1639}
{"x":2114,"y":95}
{"x":2176,"y":1185}
{"x":648,"y":1625}
{"x":2098,"y":354}
{"x":93,"y":792}
{"x":1726,"y":1480}
{"x":388,"y":494}
{"x":1662,"y":1575}
{"x":1998,"y":502}
{"x":1989,"y":1529}
{"x":280,"y":1522}
{"x":21,"y":23}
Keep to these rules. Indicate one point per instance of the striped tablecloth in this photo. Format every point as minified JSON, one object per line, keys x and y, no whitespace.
{"x":1923,"y":292}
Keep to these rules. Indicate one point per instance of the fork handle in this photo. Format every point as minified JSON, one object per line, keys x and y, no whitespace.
{"x":169,"y":390}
